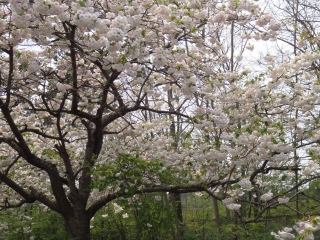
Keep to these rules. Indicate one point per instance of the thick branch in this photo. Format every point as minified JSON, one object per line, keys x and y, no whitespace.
{"x":38,"y":132}
{"x":172,"y":189}
{"x":29,"y":198}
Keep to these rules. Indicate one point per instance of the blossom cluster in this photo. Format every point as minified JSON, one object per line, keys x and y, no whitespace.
{"x":229,"y":202}
{"x":266,"y":197}
{"x":304,"y":229}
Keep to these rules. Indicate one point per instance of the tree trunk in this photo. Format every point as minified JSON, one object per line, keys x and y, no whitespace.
{"x":176,"y":205}
{"x":79,"y":223}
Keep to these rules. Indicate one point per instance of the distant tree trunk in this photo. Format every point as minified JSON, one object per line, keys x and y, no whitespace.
{"x":176,"y":205}
{"x":228,"y":215}
{"x":217,"y":214}
{"x":296,"y":157}
{"x":173,"y":234}
{"x":175,"y":197}
{"x":231,"y":221}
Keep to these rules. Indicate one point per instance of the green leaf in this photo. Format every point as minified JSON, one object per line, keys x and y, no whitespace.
{"x":82,"y":3}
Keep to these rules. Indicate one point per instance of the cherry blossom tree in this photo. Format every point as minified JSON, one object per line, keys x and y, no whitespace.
{"x":108,"y":99}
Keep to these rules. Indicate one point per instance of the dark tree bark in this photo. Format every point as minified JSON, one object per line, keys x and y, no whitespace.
{"x":79,"y":223}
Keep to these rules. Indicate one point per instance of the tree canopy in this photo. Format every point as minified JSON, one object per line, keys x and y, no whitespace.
{"x":101,"y":100}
